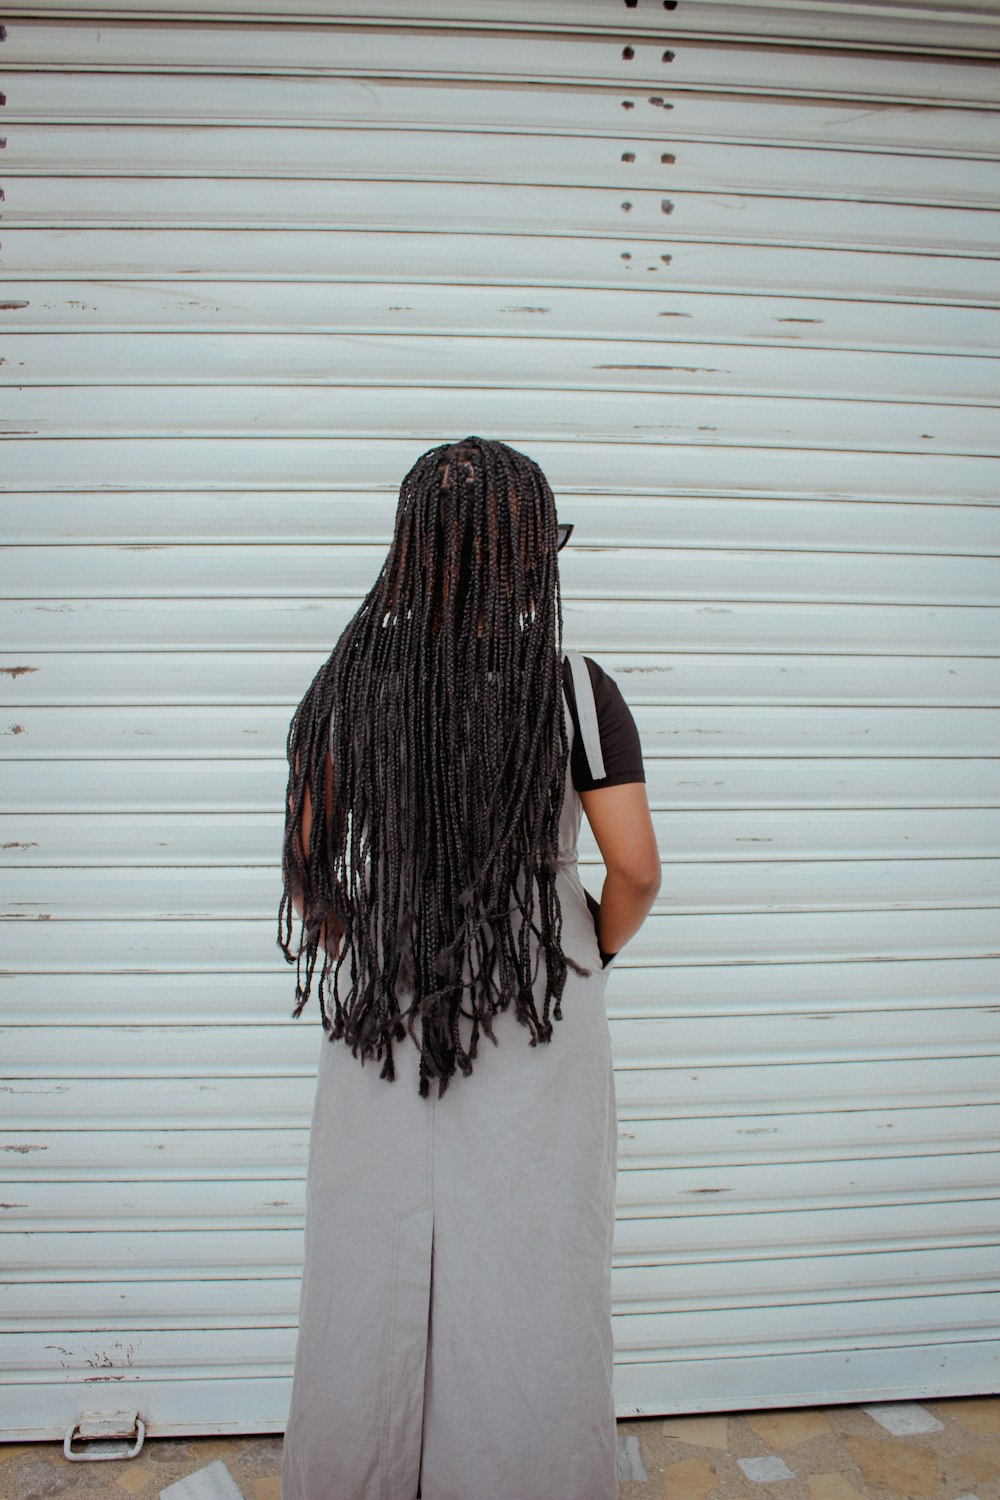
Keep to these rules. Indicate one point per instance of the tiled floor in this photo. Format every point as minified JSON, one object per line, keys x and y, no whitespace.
{"x":931,"y":1450}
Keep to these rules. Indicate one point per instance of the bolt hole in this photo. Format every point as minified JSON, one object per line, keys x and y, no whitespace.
{"x":666,"y":259}
{"x":627,"y":207}
{"x":666,"y":207}
{"x":631,"y":4}
{"x":667,"y":157}
{"x":628,"y":156}
{"x":628,"y":53}
{"x":667,"y":57}
{"x":626,"y":255}
{"x":628,"y":104}
{"x":669,"y":4}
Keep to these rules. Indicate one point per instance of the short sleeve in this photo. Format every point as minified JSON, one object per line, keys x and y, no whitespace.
{"x":620,"y":744}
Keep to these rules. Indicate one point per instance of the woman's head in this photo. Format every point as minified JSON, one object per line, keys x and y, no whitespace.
{"x":476,"y":528}
{"x":441,"y":707}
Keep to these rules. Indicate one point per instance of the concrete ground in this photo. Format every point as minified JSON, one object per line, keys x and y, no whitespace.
{"x":946,"y":1449}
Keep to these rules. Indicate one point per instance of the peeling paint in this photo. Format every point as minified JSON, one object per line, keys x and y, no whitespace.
{"x":682,"y":369}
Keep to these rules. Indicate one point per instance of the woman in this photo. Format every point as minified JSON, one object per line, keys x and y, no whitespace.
{"x":455,"y":1317}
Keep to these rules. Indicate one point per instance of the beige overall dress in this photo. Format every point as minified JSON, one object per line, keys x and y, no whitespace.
{"x":455,"y":1317}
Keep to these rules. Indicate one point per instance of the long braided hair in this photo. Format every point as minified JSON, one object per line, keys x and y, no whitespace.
{"x":440,"y":705}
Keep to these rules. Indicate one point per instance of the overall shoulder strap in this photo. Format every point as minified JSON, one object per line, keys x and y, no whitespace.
{"x":586,"y":712}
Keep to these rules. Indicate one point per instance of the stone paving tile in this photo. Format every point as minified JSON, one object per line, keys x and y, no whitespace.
{"x":691,"y":1479}
{"x":766,"y":1468}
{"x":266,"y":1489}
{"x":701,"y":1432}
{"x":978,"y":1464}
{"x":832,"y":1487}
{"x":901,"y":1469}
{"x":904,"y":1418}
{"x":979,"y":1414}
{"x":786,"y":1429}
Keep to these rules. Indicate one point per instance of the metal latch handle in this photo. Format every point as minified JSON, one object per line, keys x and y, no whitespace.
{"x":109,"y":1434}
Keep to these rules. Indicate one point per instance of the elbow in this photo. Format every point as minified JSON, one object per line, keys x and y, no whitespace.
{"x":643,"y":879}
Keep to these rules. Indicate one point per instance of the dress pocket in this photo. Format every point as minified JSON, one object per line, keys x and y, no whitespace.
{"x":594,"y":907}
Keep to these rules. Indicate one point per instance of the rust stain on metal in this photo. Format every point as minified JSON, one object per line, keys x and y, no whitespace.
{"x":23,"y":1149}
{"x":142,"y":547}
{"x":659,"y":101}
{"x":17,"y":729}
{"x":525,"y":307}
{"x":673,"y":314}
{"x":20,"y":844}
{"x":798,"y":320}
{"x":16,"y":671}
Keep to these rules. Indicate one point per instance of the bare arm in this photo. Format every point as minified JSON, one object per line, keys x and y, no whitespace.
{"x":623,"y":828}
{"x":327,"y":939}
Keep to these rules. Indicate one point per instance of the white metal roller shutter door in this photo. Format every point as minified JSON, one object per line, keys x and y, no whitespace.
{"x":740,"y":301}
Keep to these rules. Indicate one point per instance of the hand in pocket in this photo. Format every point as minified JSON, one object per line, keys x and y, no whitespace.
{"x":595,"y":907}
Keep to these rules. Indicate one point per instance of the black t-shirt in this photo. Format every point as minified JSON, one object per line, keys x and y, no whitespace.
{"x":619,"y":736}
